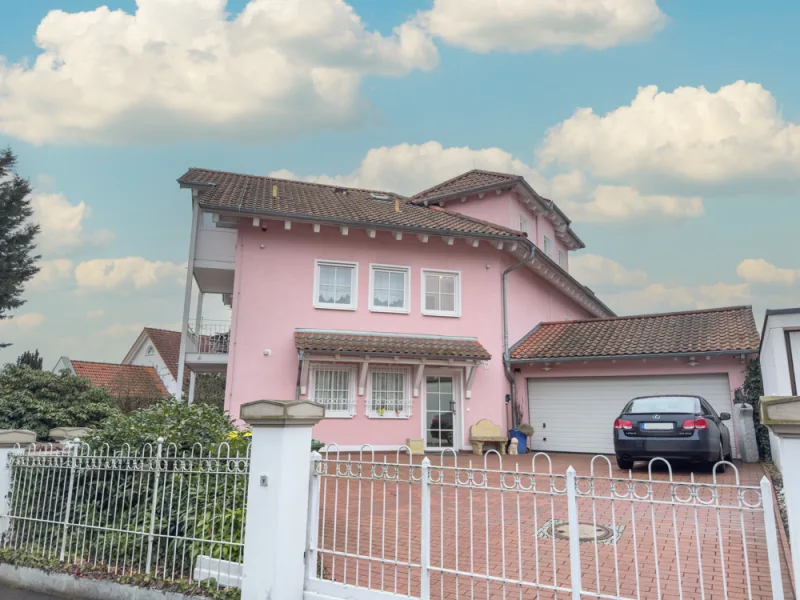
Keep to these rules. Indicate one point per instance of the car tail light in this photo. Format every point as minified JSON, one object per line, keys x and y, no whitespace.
{"x":698,"y":423}
{"x":623,"y":424}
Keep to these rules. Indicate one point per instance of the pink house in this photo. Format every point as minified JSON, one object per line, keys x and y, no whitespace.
{"x":416,"y":317}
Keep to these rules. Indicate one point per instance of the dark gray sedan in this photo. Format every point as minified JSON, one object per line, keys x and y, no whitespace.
{"x":671,"y":427}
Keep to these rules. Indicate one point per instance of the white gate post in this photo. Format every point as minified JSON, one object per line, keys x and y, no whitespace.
{"x":11,"y":441}
{"x":782,"y":415}
{"x":425,"y":534}
{"x":775,"y":575}
{"x":277,"y":497}
{"x":312,"y":535}
{"x":574,"y":534}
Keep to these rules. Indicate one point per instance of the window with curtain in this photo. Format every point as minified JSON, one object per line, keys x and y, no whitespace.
{"x":335,"y":285}
{"x":333,"y":388}
{"x":388,"y":393}
{"x":389,"y":289}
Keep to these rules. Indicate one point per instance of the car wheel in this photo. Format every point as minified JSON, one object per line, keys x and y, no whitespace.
{"x":624,"y":463}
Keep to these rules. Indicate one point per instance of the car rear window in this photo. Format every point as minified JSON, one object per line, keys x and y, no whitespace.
{"x":664,"y":404}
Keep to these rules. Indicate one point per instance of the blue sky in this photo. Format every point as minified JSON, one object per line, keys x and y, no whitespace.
{"x":687,"y":200}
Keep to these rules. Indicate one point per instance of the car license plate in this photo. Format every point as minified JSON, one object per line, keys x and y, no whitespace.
{"x":658,"y":426}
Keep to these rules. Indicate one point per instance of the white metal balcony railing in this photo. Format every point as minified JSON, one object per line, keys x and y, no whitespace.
{"x":210,"y":337}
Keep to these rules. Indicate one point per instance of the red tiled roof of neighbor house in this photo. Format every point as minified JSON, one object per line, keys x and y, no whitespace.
{"x":342,"y":342}
{"x":471,"y":180}
{"x":132,"y":380}
{"x":719,"y":330}
{"x":168,"y":345}
{"x":254,"y":195}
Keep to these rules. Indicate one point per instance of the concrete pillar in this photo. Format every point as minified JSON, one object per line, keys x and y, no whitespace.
{"x":11,"y":440}
{"x":62,"y":434}
{"x":745,"y":432}
{"x":277,"y":498}
{"x":782,"y":415}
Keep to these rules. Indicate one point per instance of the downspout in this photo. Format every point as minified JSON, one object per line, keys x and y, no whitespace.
{"x":506,"y":356}
{"x":299,"y":374}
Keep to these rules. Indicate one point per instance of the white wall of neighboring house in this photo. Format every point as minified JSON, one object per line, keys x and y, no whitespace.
{"x":63,"y":363}
{"x":774,"y":358}
{"x":147,"y":355}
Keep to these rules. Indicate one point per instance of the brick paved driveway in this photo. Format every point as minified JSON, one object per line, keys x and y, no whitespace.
{"x":505,"y":532}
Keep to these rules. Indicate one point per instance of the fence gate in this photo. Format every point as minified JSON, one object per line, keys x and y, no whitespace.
{"x":396,"y":527}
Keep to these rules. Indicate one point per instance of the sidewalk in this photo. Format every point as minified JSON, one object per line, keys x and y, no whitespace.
{"x":7,"y":593}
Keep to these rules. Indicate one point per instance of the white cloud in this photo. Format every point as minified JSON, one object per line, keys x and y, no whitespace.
{"x":758,"y":270}
{"x":615,"y":203}
{"x":50,"y":273}
{"x":61,"y":223}
{"x":658,"y":297}
{"x":411,"y":168}
{"x":95,"y":314}
{"x":692,"y":135}
{"x":133,"y":329}
{"x":592,"y":269}
{"x":24,"y":321}
{"x":134,"y":271}
{"x":525,"y":25}
{"x":178,"y":69}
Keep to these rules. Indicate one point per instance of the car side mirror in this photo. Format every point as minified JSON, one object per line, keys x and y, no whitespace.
{"x":724,"y":416}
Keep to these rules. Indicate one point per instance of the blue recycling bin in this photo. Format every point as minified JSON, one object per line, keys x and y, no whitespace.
{"x":522,"y":440}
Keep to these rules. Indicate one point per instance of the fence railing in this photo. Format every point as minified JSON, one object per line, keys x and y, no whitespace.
{"x":209,"y":336}
{"x":449,"y":528}
{"x":152,"y":510}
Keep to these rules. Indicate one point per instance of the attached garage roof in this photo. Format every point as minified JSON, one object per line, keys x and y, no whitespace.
{"x":729,"y":330}
{"x":381,"y":344}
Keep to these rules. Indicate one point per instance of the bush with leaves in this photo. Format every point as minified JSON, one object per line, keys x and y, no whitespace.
{"x":41,"y":400}
{"x":753,"y":390}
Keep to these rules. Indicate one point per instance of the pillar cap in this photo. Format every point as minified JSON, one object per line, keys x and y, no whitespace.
{"x":68,"y":433}
{"x":11,"y":437}
{"x":781,"y":414}
{"x":282,"y":413}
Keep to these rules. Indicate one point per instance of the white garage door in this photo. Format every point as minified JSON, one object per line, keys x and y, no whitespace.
{"x":577,"y":414}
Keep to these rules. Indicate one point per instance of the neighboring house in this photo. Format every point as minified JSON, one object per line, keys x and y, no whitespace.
{"x":399,"y":314}
{"x":780,"y":359}
{"x":120,"y":380}
{"x":160,"y":349}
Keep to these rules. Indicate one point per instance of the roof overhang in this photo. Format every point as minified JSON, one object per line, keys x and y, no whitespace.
{"x":558,"y":359}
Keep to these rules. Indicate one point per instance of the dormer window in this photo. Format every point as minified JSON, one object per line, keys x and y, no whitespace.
{"x":548,"y":246}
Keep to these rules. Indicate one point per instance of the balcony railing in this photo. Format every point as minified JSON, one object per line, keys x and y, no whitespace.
{"x":209,"y":337}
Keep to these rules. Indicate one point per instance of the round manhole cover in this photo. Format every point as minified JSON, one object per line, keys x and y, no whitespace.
{"x":586,"y":532}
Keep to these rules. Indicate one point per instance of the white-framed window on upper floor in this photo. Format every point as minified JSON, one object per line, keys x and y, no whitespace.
{"x":524,"y":225}
{"x":388,"y":392}
{"x":335,"y":285}
{"x":548,"y":246}
{"x":441,"y":293}
{"x":562,"y":259}
{"x":389,"y":288}
{"x":333,"y":386}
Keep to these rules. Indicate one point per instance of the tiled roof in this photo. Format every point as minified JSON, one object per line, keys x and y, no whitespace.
{"x":470,"y":180}
{"x":305,"y":200}
{"x":168,"y":345}
{"x":128,"y":380}
{"x":716,"y":330}
{"x":344,"y":342}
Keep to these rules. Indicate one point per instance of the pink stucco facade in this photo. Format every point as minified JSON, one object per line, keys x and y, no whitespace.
{"x":273,"y":296}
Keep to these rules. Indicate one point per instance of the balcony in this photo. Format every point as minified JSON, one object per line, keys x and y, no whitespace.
{"x":207,"y":345}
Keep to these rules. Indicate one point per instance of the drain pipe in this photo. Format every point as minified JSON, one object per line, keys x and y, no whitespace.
{"x":506,"y":356}
{"x":299,"y":374}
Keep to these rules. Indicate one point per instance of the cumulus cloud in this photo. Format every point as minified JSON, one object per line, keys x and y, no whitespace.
{"x":178,"y":69}
{"x":690,"y":134}
{"x":616,"y":203}
{"x":23,"y":322}
{"x":758,"y":270}
{"x":132,"y":329}
{"x":522,"y":26}
{"x":411,"y":168}
{"x":51,"y":272}
{"x":592,"y":269}
{"x":61,"y":223}
{"x":105,"y":274}
{"x":675,"y":296}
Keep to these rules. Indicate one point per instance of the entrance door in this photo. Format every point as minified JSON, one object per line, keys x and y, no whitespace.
{"x":440,"y":417}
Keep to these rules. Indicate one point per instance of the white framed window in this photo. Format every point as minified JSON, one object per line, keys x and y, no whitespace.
{"x":562,"y":259}
{"x":388,"y":393}
{"x":524,"y":226}
{"x":335,"y":285}
{"x":441,"y":293}
{"x":548,"y":246}
{"x":333,"y":386}
{"x":389,"y":288}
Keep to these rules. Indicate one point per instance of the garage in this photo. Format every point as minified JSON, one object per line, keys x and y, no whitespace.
{"x":576,"y":414}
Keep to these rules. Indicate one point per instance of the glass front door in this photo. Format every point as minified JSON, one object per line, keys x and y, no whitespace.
{"x":441,"y":412}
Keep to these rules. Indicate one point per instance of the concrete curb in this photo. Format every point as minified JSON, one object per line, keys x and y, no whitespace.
{"x":67,"y":586}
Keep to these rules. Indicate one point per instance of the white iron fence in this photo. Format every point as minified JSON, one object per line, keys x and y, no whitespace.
{"x":398,"y":528}
{"x":153,"y":510}
{"x":209,"y":336}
